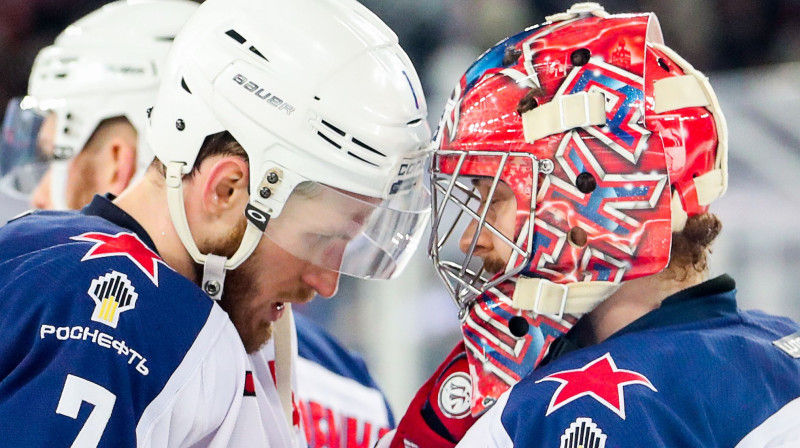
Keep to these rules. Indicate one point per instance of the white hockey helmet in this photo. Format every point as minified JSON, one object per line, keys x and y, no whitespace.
{"x":313,"y":90}
{"x":105,"y":65}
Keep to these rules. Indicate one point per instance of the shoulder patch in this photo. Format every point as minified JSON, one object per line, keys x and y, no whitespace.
{"x":583,"y":433}
{"x":123,"y":244}
{"x":113,"y":294}
{"x":789,"y":345}
{"x":599,"y":379}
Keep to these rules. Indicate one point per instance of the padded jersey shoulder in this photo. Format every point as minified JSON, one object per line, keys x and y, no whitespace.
{"x":673,"y":386}
{"x":81,"y":297}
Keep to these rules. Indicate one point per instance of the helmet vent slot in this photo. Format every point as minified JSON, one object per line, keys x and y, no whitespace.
{"x":578,"y":237}
{"x":413,"y":122}
{"x":340,"y":139}
{"x":241,"y":40}
{"x":325,"y":137}
{"x":334,"y":128}
{"x":368,"y":148}
{"x":359,"y":158}
{"x":518,"y":326}
{"x":586,"y":183}
{"x":258,"y":53}
{"x":511,"y":56}
{"x":236,"y":36}
{"x":580,"y":57}
{"x":185,"y":87}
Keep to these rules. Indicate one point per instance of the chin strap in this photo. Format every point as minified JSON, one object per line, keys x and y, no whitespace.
{"x":283,"y":362}
{"x":545,"y":297}
{"x":564,"y":113}
{"x":214,"y":266}
{"x":214,"y":276}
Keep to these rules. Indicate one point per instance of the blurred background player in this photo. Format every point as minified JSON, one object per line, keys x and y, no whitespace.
{"x":580,"y":157}
{"x":79,"y":132}
{"x":113,"y":146}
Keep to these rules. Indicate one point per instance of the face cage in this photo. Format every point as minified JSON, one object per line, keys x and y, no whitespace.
{"x":463,"y":283}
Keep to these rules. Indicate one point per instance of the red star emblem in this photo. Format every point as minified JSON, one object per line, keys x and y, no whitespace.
{"x":122,"y":244}
{"x":600,"y":379}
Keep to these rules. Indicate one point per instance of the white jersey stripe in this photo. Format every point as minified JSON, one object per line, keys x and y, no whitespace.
{"x":781,"y":429}
{"x":488,"y":431}
{"x":315,"y":383}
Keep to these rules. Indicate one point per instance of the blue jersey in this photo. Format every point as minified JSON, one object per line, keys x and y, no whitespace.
{"x":104,"y":345}
{"x":339,"y":402}
{"x":697,"y":372}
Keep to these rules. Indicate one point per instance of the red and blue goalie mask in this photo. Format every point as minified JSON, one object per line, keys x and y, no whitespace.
{"x":604,"y":161}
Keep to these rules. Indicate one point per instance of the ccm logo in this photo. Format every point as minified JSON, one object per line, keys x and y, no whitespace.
{"x":413,"y":168}
{"x":271,"y":99}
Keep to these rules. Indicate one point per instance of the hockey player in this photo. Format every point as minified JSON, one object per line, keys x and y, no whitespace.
{"x":582,"y":155}
{"x":110,"y":106}
{"x":297,"y":149}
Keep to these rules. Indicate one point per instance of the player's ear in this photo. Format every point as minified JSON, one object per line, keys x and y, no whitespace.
{"x":123,"y":163}
{"x":225,"y":186}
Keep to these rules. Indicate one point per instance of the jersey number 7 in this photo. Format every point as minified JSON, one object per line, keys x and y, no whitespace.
{"x":76,"y":391}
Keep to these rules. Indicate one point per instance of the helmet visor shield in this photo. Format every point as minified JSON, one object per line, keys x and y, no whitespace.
{"x":354,"y":235}
{"x":481,"y":230}
{"x":25,"y":150}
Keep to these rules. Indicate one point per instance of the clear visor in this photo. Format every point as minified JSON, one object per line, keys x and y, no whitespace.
{"x":480,"y":235}
{"x":354,"y":235}
{"x":25,"y":152}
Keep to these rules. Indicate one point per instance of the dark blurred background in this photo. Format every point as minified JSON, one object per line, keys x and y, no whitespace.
{"x":713,"y":34}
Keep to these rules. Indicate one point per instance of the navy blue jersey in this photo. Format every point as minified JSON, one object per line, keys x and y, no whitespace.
{"x":104,"y":345}
{"x":696,"y":372}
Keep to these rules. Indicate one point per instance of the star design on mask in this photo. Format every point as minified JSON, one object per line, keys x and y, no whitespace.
{"x":124,"y":245}
{"x":600,"y":379}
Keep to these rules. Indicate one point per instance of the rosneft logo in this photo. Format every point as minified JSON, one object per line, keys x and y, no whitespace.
{"x":113,"y":294}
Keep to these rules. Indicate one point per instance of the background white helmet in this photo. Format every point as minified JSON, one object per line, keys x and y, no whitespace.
{"x":105,"y":65}
{"x":313,"y":90}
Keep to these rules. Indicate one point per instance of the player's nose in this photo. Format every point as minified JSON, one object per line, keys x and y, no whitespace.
{"x":483,"y":244}
{"x":324,"y":281}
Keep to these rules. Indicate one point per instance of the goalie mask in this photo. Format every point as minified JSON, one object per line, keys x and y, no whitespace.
{"x":566,"y":157}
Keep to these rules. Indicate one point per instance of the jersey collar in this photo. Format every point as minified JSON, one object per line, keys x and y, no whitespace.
{"x":711,"y":299}
{"x":101,"y":206}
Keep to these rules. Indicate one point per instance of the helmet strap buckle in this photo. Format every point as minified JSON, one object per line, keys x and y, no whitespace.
{"x":214,"y":276}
